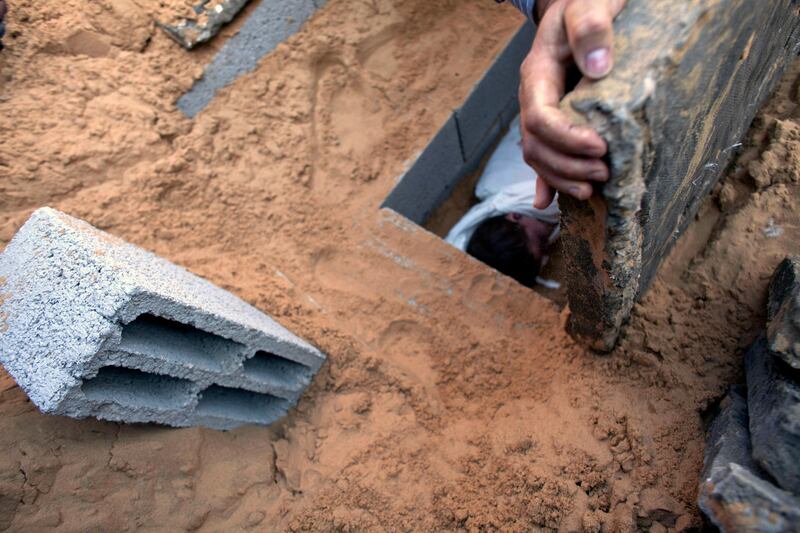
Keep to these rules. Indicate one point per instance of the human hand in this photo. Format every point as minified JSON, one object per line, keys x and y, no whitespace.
{"x":566,"y":156}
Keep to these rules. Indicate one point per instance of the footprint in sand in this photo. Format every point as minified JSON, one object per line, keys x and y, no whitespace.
{"x":407,"y":345}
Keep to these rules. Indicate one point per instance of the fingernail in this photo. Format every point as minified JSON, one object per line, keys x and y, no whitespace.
{"x":598,"y":62}
{"x":576,"y":192}
{"x":599,"y":175}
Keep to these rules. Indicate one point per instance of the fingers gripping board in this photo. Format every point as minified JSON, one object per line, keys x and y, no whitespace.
{"x":688,"y":80}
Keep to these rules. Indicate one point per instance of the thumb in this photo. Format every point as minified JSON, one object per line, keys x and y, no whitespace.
{"x":590,"y":31}
{"x":544,"y":194}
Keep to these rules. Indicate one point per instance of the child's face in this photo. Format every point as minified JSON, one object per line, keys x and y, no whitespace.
{"x":538,"y":233}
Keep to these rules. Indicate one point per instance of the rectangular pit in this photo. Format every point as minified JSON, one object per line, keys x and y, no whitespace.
{"x":171,"y":323}
{"x":439,"y":186}
{"x":461,"y":144}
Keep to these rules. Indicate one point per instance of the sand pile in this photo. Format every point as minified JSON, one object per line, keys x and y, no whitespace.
{"x":452,"y":398}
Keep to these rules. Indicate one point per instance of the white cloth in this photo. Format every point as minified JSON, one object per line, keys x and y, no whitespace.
{"x":507,"y":185}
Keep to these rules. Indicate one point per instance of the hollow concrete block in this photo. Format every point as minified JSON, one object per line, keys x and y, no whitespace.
{"x":735,"y":494}
{"x":93,"y":326}
{"x":687,"y":83}
{"x":188,"y":32}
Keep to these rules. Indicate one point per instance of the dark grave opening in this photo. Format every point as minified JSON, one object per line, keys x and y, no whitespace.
{"x":439,"y":187}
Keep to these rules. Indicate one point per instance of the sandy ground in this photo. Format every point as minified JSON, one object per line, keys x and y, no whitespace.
{"x":452,"y":399}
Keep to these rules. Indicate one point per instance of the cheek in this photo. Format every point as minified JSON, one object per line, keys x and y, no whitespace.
{"x":532,"y":233}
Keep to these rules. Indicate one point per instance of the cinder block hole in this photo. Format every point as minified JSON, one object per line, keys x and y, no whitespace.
{"x":271,"y":369}
{"x":180,"y":344}
{"x":134,"y":388}
{"x":241,"y":405}
{"x":455,"y":196}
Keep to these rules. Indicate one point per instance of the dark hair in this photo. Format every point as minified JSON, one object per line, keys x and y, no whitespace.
{"x":503,"y":245}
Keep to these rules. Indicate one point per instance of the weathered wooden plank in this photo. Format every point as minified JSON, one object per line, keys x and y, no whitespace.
{"x":690,"y":76}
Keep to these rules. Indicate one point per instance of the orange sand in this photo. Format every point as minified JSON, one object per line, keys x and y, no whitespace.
{"x":452,"y":399}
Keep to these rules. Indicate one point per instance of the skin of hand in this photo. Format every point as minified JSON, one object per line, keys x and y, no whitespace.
{"x":567,"y":157}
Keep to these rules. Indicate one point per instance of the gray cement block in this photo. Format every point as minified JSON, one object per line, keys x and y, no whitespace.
{"x":783,"y":313}
{"x":270,"y":23}
{"x":432,"y":177}
{"x":735,"y":494}
{"x":93,"y":326}
{"x":463,"y":141}
{"x":685,"y":88}
{"x":774,"y":407}
{"x":728,"y":439}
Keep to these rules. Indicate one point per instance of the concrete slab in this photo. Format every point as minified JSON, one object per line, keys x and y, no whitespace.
{"x":93,"y":326}
{"x":270,"y":23}
{"x":685,"y":88}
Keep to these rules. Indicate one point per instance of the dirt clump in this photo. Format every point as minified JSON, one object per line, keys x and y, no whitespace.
{"x":452,"y":398}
